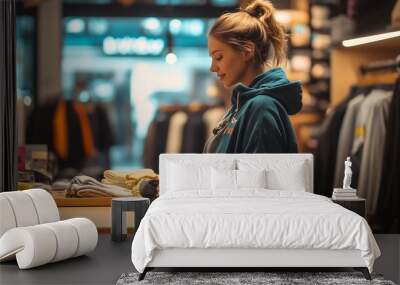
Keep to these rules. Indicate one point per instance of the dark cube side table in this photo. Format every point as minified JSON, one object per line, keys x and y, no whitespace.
{"x":119,"y":206}
{"x":357,"y":205}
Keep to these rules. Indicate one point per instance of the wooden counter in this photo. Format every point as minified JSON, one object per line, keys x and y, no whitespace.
{"x":97,"y":209}
{"x":63,"y":201}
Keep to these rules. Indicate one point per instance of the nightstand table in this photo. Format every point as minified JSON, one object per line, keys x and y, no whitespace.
{"x":357,"y":205}
{"x":119,"y":206}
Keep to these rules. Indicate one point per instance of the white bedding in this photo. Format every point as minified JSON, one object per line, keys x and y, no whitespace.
{"x":251,"y":218}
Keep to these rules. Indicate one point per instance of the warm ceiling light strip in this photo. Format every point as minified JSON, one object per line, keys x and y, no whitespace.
{"x":370,"y":39}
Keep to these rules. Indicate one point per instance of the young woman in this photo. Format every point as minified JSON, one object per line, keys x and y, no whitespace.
{"x":246,"y":49}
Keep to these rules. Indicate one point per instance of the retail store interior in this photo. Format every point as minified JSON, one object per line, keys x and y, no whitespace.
{"x":103,"y":87}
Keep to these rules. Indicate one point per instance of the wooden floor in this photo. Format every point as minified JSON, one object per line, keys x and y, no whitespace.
{"x":111,"y":259}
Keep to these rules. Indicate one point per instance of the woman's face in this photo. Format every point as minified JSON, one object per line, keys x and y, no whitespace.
{"x":229,"y":64}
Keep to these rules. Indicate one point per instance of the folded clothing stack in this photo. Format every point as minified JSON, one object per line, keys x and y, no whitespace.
{"x":344,"y":194}
{"x":60,"y":185}
{"x":86,"y":186}
{"x":129,"y":179}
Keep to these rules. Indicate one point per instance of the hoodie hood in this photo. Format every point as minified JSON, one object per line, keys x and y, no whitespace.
{"x":272,"y":83}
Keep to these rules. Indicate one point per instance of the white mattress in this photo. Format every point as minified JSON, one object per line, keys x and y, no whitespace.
{"x":258,"y":219}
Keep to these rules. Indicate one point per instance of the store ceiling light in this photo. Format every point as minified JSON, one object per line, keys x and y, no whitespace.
{"x":370,"y":39}
{"x":97,"y":26}
{"x":175,"y":26}
{"x":194,"y":27}
{"x":75,"y":26}
{"x":171,"y":58}
{"x":152,"y":25}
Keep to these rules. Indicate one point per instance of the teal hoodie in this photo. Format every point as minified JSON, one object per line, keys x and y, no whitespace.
{"x":258,"y":120}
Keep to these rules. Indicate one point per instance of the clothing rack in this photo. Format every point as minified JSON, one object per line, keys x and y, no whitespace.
{"x":382,"y":65}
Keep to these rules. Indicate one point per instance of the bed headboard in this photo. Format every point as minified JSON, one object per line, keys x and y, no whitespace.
{"x":208,"y":159}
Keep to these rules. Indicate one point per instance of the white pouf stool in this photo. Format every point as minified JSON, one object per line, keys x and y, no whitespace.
{"x":31,"y":230}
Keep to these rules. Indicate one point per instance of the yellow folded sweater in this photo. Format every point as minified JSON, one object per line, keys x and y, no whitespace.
{"x":129,"y":179}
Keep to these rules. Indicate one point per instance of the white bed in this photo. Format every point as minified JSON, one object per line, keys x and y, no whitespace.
{"x":248,"y":226}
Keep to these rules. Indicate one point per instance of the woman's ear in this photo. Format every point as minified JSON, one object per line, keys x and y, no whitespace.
{"x":248,"y":51}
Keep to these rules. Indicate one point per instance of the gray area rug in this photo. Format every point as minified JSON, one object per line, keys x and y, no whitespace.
{"x":230,"y":278}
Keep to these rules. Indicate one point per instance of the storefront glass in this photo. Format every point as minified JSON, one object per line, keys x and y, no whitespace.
{"x":132,"y":67}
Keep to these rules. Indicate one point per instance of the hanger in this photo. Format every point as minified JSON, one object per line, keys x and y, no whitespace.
{"x":380,"y":72}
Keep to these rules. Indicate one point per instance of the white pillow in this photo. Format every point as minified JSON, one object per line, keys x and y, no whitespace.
{"x":188,"y":177}
{"x":235,"y":179}
{"x":251,"y":178}
{"x":223,"y":179}
{"x":193,"y":174}
{"x":295,"y":180}
{"x":282,"y":174}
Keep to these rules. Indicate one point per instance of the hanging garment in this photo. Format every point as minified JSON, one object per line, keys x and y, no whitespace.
{"x":149,"y":149}
{"x":194,"y":133}
{"x":387,"y":210}
{"x":103,"y":135}
{"x":325,"y":153}
{"x":38,"y":130}
{"x":87,"y":134}
{"x":72,"y":134}
{"x":372,"y":155}
{"x":156,"y":140}
{"x":362,"y":117}
{"x":359,"y":137}
{"x":60,"y":127}
{"x":360,"y":134}
{"x":346,"y":138}
{"x":175,"y":132}
{"x":101,"y":128}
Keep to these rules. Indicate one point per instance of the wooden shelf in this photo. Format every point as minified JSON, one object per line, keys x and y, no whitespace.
{"x":346,"y":63}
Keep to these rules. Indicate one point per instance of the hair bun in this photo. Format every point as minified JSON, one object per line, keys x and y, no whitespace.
{"x":253,"y":24}
{"x":259,"y":9}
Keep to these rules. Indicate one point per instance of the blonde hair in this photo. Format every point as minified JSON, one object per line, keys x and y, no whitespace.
{"x":253,"y":25}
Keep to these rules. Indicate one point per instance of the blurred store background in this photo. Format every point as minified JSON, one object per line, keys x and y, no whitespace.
{"x":126,"y":62}
{"x":111,"y":84}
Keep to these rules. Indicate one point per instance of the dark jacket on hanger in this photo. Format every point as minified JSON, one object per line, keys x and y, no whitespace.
{"x":258,"y":121}
{"x":194,"y":133}
{"x":325,"y":154}
{"x":76,"y":151}
{"x":101,"y":128}
{"x":387,"y":211}
{"x":156,"y":140}
{"x":38,"y":128}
